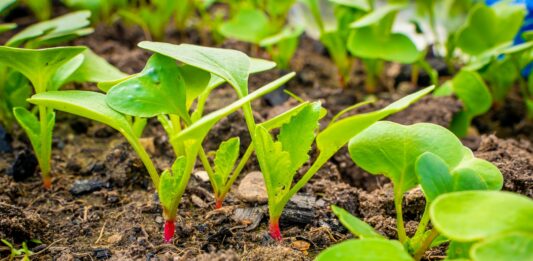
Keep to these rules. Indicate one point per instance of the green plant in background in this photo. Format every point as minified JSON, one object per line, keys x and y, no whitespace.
{"x":23,"y":252}
{"x":485,"y":225}
{"x":282,"y":46}
{"x":280,"y":160}
{"x":101,"y":10}
{"x":41,"y":8}
{"x":4,"y":6}
{"x":167,"y":90}
{"x":421,"y":154}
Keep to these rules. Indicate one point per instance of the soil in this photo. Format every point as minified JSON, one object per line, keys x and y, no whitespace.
{"x":102,"y":204}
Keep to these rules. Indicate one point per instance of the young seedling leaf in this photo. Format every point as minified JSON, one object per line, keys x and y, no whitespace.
{"x":95,"y":69}
{"x":356,"y":226}
{"x":225,"y":158}
{"x":196,"y":82}
{"x":7,"y":27}
{"x":433,"y":175}
{"x":364,"y":43}
{"x":362,"y":5}
{"x":475,"y":96}
{"x":230,"y":65}
{"x":515,"y":246}
{"x":473,"y":215}
{"x":169,"y":188}
{"x":366,"y":249}
{"x":298,"y":135}
{"x":64,"y":72}
{"x":377,"y":15}
{"x":248,"y":25}
{"x":158,"y":89}
{"x":61,"y":28}
{"x":391,"y":149}
{"x":38,"y":66}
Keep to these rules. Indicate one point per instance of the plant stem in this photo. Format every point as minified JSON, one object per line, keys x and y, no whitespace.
{"x":145,"y":158}
{"x":423,"y":222}
{"x":426,"y":244}
{"x":274,"y":231}
{"x":170,"y":227}
{"x":45,"y":146}
{"x":398,"y":197}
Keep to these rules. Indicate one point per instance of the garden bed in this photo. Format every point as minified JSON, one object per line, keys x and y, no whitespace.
{"x":103,"y":206}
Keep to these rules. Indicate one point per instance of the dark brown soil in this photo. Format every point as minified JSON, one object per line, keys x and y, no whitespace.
{"x":117,"y":217}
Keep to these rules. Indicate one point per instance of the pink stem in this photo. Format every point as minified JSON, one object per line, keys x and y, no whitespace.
{"x":218,"y":203}
{"x":275,"y":233}
{"x":170,"y":227}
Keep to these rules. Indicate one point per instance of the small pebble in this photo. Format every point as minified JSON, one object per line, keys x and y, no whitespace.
{"x":86,"y":186}
{"x":301,"y":245}
{"x":159,"y":220}
{"x":201,"y":176}
{"x":102,"y":253}
{"x":114,"y":239}
{"x":198,"y":201}
{"x":24,"y":166}
{"x":252,"y":188}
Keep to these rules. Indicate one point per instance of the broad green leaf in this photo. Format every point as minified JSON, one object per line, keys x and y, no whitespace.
{"x":490,"y":27}
{"x":363,"y":42}
{"x":65,"y":27}
{"x":196,"y":81}
{"x":275,"y":164}
{"x":459,"y":250}
{"x":298,"y":135}
{"x":38,"y":66}
{"x":473,"y":215}
{"x":284,"y":117}
{"x":337,"y":134}
{"x":106,"y":86}
{"x":64,"y":72}
{"x":363,"y":5}
{"x":230,"y":65}
{"x":513,"y":246}
{"x":87,"y":104}
{"x":475,"y":96}
{"x":377,"y":15}
{"x":158,"y":89}
{"x":433,"y":175}
{"x":199,"y":129}
{"x":95,"y":69}
{"x":355,"y":225}
{"x":476,"y":171}
{"x":371,"y":249}
{"x":248,"y":25}
{"x":256,"y":66}
{"x":225,"y":158}
{"x":391,"y":149}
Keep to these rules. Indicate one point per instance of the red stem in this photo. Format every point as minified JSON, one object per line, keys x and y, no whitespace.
{"x":47,"y":182}
{"x":170,"y":227}
{"x":274,"y":231}
{"x":218,"y":203}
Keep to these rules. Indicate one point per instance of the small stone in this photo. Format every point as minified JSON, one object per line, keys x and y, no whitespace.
{"x":86,"y":186}
{"x":198,"y":201}
{"x":159,"y":220}
{"x":114,"y":239}
{"x":248,"y":216}
{"x":148,"y":144}
{"x":252,"y":188}
{"x":201,"y":176}
{"x":300,"y":245}
{"x":24,"y":166}
{"x":102,"y":253}
{"x":5,"y":141}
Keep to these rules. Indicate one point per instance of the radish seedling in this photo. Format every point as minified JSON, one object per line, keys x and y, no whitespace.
{"x":424,"y":154}
{"x":485,"y":225}
{"x":280,"y":160}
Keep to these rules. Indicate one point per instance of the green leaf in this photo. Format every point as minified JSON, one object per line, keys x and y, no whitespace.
{"x":64,"y":72}
{"x":158,"y":89}
{"x":298,"y":135}
{"x":363,"y":42}
{"x":490,"y":27}
{"x":371,"y":249}
{"x":4,"y":4}
{"x":231,"y":65}
{"x":337,"y":134}
{"x":363,"y":5}
{"x":248,"y":25}
{"x":7,"y":27}
{"x":282,"y":46}
{"x":459,"y":250}
{"x":95,"y":69}
{"x":284,"y":117}
{"x":391,"y":149}
{"x":31,"y":126}
{"x":275,"y":165}
{"x":513,"y":246}
{"x":475,"y":96}
{"x":38,"y":66}
{"x":62,"y":28}
{"x":356,"y":226}
{"x":169,"y":187}
{"x":433,"y":175}
{"x":87,"y":104}
{"x":473,"y":215}
{"x":225,"y":158}
{"x":196,"y":81}
{"x":377,"y":15}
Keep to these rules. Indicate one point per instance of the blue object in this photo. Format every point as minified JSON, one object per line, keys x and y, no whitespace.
{"x":526,"y":26}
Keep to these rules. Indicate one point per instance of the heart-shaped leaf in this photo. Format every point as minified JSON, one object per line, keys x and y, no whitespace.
{"x":248,"y":25}
{"x":515,"y":246}
{"x":366,"y":249}
{"x":363,"y":42}
{"x":158,"y":89}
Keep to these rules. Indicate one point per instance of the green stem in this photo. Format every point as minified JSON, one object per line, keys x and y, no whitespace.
{"x":426,"y":244}
{"x":138,"y":126}
{"x":145,"y":158}
{"x":398,"y":197}
{"x":237,"y":170}
{"x":423,"y":222}
{"x":207,"y":167}
{"x":44,"y":133}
